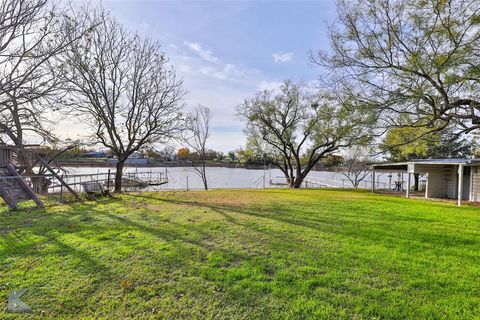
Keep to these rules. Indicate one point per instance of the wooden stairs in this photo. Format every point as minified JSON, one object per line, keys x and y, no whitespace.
{"x":14,"y":188}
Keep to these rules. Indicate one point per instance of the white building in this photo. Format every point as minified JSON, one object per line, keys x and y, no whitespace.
{"x":446,"y":178}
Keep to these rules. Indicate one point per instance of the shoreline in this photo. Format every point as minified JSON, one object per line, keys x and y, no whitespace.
{"x":167,"y":164}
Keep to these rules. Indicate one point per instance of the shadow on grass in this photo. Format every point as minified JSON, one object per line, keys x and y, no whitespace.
{"x":178,"y":237}
{"x":41,"y":230}
{"x":390,"y":230}
{"x":284,"y":226}
{"x":354,"y":225}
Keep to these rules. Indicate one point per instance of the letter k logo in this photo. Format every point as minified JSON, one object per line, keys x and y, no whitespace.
{"x":15,"y":305}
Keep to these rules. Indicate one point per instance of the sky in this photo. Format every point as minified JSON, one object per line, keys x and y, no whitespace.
{"x":226,"y":51}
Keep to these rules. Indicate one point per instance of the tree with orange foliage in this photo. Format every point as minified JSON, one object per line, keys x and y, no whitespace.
{"x":183,"y":153}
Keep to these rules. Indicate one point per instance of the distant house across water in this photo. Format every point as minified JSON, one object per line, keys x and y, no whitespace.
{"x":96,"y":154}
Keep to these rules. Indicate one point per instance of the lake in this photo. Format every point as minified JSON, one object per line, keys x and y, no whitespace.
{"x":181,"y":178}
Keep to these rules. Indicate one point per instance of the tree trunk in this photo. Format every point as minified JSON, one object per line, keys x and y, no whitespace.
{"x":204,"y":176}
{"x":119,"y":175}
{"x":297,"y":183}
{"x":205,"y":184}
{"x":290,"y":180}
{"x":416,"y":178}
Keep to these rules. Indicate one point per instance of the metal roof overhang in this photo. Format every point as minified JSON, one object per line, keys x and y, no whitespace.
{"x":397,"y":166}
{"x":410,"y":165}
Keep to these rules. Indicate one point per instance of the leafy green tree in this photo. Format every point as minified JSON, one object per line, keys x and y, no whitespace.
{"x":251,"y":156}
{"x":220,"y":156}
{"x":453,"y":146}
{"x":232,"y":156}
{"x":297,"y":123}
{"x":402,"y":144}
{"x":333,"y":160}
{"x":418,"y":58}
{"x":400,"y":147}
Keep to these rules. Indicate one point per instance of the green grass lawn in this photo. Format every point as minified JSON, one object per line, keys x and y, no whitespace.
{"x":250,"y":254}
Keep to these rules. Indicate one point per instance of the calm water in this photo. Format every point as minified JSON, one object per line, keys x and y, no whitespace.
{"x":181,"y":177}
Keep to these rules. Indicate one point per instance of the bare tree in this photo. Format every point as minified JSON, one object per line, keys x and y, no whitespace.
{"x":25,"y":29}
{"x":298,"y":128}
{"x":356,"y":166}
{"x":168,"y":153}
{"x":196,"y":138}
{"x":30,"y":39}
{"x":122,"y":87}
{"x":409,"y":57}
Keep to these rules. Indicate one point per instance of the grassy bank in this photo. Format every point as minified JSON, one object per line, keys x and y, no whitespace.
{"x":274,"y":254}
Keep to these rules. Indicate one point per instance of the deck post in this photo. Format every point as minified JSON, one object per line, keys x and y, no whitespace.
{"x":373,"y":180}
{"x":407,"y":193}
{"x":55,"y":174}
{"x":460,"y":184}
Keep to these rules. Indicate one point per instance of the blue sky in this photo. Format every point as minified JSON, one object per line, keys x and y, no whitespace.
{"x":225,"y":51}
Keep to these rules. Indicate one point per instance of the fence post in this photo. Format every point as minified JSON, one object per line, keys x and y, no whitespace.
{"x":108,"y":179}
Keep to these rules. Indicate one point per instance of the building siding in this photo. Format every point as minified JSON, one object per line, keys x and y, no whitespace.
{"x":476,"y":184}
{"x":437,"y":185}
{"x":451,"y":177}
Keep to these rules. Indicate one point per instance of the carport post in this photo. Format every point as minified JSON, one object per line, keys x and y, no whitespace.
{"x":373,"y":179}
{"x":470,"y":191}
{"x":407,"y":194}
{"x":426,"y":187}
{"x":460,"y":185}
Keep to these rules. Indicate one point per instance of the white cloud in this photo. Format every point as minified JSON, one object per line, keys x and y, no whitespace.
{"x":205,"y":54}
{"x":269,"y":85}
{"x":206,"y":64}
{"x":216,"y":68}
{"x":224,"y":72}
{"x":280,"y":57}
{"x":219,"y":84}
